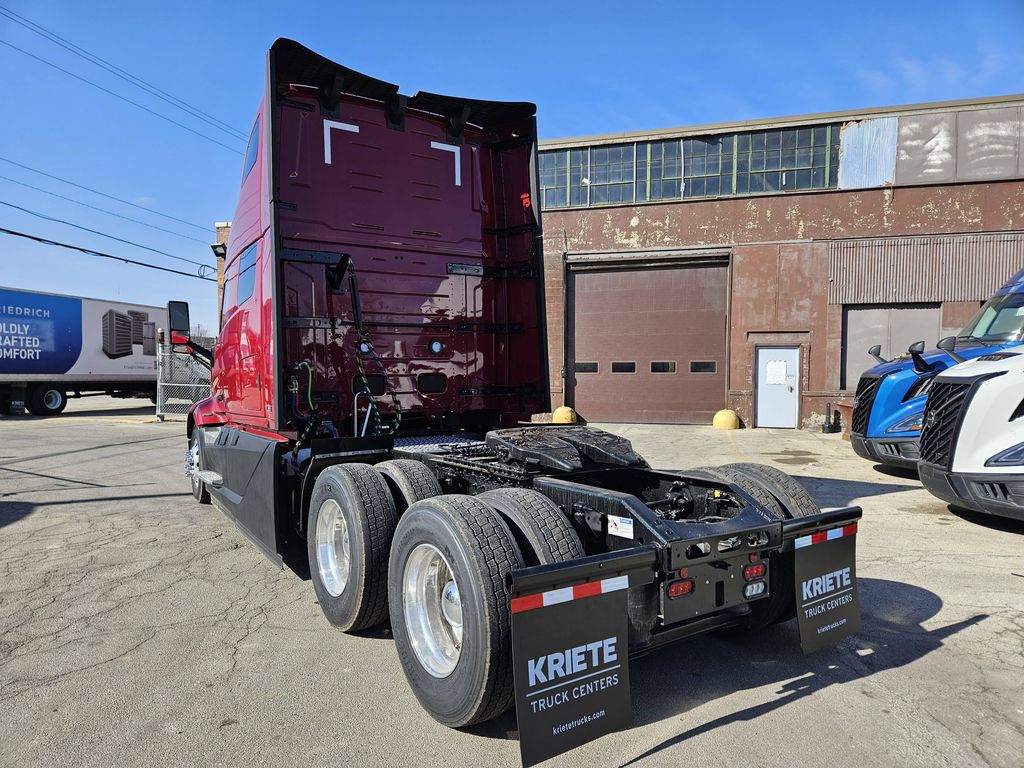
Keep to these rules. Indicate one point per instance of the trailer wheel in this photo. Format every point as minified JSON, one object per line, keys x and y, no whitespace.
{"x":195,"y":456}
{"x":794,"y":498}
{"x":780,"y":604}
{"x":351,"y":522}
{"x":409,"y":481}
{"x":450,"y":607}
{"x":46,"y":400}
{"x":540,"y":528}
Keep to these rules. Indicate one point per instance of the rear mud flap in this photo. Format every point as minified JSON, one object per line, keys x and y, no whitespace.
{"x":570,"y":651}
{"x":828,"y":608}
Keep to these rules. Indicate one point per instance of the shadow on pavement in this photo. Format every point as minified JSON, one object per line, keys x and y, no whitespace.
{"x":839,"y":492}
{"x":147,"y":409}
{"x":994,"y":522}
{"x":674,"y":680}
{"x":667,"y":685}
{"x":907,"y":473}
{"x":13,"y":511}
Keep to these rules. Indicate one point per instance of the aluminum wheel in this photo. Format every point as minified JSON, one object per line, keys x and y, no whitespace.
{"x":333,"y":551}
{"x":433,"y":610}
{"x":193,"y":470}
{"x":53,"y":399}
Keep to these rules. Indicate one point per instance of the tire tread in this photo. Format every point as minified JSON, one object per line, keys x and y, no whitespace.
{"x":552,"y":537}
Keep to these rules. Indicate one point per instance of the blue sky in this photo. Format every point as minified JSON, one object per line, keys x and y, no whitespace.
{"x":592,"y":67}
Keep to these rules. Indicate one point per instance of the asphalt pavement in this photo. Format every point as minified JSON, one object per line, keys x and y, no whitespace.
{"x":140,"y":628}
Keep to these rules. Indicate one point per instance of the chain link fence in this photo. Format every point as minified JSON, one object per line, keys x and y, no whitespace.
{"x":180,"y":380}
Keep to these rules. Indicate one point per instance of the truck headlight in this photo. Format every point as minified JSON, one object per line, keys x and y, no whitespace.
{"x":919,"y":387}
{"x":909,"y":424}
{"x":1011,"y":457}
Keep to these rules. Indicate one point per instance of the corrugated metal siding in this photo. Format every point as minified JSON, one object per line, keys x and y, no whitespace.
{"x":867,"y":153}
{"x":922,"y":269}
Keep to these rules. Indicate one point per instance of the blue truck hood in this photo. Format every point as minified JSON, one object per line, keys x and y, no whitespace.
{"x":891,"y":406}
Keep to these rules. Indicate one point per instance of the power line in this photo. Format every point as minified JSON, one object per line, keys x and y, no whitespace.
{"x":103,"y":210}
{"x":104,"y":194}
{"x":104,"y":234}
{"x":117,"y":71}
{"x":119,"y":96}
{"x":101,"y":254}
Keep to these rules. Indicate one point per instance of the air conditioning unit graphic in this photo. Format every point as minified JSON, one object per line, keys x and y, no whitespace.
{"x":117,"y":334}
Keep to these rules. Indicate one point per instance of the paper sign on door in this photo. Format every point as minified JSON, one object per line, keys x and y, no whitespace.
{"x":775,"y":372}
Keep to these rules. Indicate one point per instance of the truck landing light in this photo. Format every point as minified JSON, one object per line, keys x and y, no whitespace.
{"x":679,"y":588}
{"x":755,"y":571}
{"x":754,"y":589}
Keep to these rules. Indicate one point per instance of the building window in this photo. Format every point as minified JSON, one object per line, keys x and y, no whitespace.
{"x":564,"y":178}
{"x":787,"y":159}
{"x":708,"y":166}
{"x":611,"y":174}
{"x":554,"y":179}
{"x":703,"y":366}
{"x":579,"y":170}
{"x":585,"y":367}
{"x":624,"y":367}
{"x":659,"y":170}
{"x":663,"y":367}
{"x":749,"y":163}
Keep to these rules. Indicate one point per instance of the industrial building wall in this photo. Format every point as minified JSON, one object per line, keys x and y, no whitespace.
{"x":783,"y":264}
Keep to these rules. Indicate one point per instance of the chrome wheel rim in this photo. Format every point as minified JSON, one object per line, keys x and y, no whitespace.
{"x":433,"y":610}
{"x":52,"y":400}
{"x":194,"y":460}
{"x":333,"y":550}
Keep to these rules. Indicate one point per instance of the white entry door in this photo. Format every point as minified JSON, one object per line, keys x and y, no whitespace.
{"x":778,"y":387}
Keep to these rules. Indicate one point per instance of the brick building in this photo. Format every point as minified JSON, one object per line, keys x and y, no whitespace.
{"x":750,"y":265}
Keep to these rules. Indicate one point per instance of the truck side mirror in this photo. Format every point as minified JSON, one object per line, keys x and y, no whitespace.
{"x":948,"y":345}
{"x":920,"y":364}
{"x":177,"y":319}
{"x":876,"y":352}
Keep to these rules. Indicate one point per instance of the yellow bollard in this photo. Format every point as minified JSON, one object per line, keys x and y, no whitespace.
{"x":563,"y":415}
{"x":726,"y":419}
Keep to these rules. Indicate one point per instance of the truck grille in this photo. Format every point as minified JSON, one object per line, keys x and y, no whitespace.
{"x":946,"y":402}
{"x":867,"y":388}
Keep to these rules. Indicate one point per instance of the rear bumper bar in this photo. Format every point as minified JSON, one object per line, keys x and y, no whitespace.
{"x":643,"y":564}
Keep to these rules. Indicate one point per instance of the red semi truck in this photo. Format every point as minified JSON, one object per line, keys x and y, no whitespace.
{"x":381,"y":353}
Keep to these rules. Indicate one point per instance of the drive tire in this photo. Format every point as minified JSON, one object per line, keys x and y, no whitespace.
{"x":409,"y":481}
{"x":541,"y":530}
{"x":753,"y":486}
{"x":199,"y":490}
{"x":794,"y":498}
{"x":46,"y":400}
{"x":480,"y":551}
{"x":357,"y":598}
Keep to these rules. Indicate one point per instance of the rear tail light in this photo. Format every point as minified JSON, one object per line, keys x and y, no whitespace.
{"x":753,"y":571}
{"x":679,"y":588}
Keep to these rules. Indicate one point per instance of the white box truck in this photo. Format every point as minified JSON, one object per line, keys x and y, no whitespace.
{"x":53,"y":347}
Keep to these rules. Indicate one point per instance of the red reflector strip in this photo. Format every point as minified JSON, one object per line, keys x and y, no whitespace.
{"x":556,"y":596}
{"x":527,"y":603}
{"x":589,"y":589}
{"x":818,"y":538}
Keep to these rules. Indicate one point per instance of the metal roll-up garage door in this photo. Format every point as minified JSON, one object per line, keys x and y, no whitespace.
{"x":648,"y":343}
